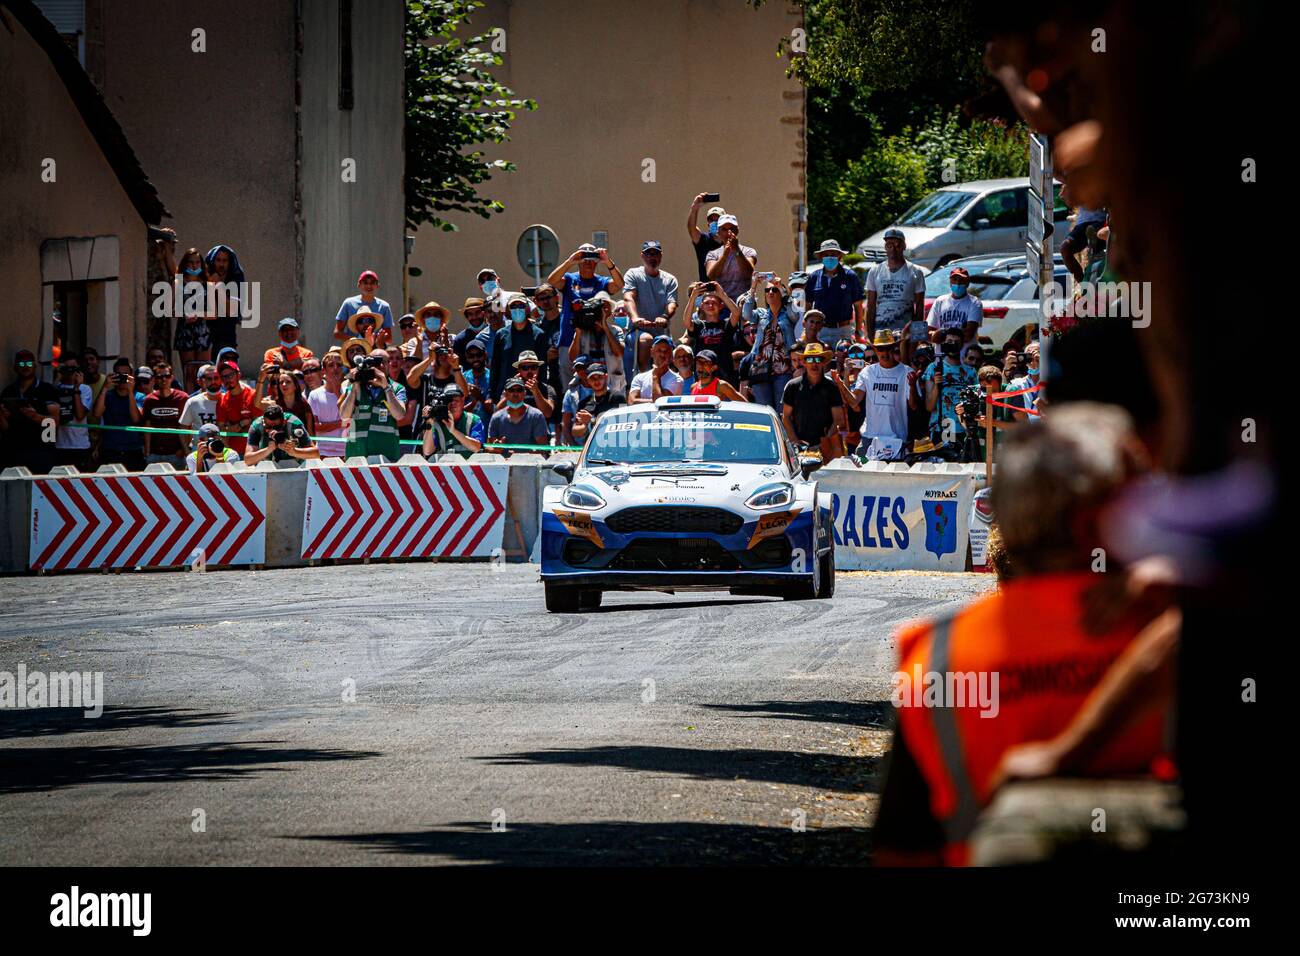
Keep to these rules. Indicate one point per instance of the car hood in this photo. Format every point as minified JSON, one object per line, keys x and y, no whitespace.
{"x":710,"y":484}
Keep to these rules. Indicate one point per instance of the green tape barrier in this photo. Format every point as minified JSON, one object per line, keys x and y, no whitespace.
{"x":405,"y":441}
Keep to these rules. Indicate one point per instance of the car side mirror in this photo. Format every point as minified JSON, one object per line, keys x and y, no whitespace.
{"x":981,"y":223}
{"x":808,"y":466}
{"x":564,"y":469}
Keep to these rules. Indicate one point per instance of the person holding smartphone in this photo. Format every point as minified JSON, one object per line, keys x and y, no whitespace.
{"x":712,"y":329}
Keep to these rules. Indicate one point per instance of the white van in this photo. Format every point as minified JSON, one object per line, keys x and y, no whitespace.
{"x":967,"y":219}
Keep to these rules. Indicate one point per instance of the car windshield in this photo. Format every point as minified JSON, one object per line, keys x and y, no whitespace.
{"x":657,"y":435}
{"x":936,"y":209}
{"x":992,"y":288}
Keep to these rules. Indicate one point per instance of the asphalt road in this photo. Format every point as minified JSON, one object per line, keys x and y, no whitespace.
{"x":687,"y":729}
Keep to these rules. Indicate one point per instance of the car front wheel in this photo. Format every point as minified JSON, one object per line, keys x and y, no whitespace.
{"x":563,"y":598}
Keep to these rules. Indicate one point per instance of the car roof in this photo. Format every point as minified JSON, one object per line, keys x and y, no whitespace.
{"x":625,"y":410}
{"x":997,"y":262}
{"x":987,"y":185}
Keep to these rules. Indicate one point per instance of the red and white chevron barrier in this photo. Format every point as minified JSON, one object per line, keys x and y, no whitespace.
{"x":392,"y":511}
{"x":153,"y":521}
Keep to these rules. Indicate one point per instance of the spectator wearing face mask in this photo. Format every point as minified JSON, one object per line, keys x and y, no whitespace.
{"x":516,"y":422}
{"x":731,"y":265}
{"x":290,"y":353}
{"x":706,"y":240}
{"x":837,"y":292}
{"x":944,"y":381}
{"x":520,"y":335}
{"x":494,"y":297}
{"x":956,"y":308}
{"x":365,"y":301}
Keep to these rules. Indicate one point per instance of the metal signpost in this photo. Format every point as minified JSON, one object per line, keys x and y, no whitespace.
{"x":538,"y":251}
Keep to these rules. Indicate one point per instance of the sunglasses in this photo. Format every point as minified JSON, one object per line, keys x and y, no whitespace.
{"x":310,"y":369}
{"x":406,"y":325}
{"x":25,"y":364}
{"x":814,"y":360}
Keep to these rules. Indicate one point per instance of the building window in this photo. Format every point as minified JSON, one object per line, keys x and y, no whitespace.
{"x":69,"y":18}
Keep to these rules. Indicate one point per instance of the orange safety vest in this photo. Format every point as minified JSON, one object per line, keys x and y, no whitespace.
{"x":1028,"y":635}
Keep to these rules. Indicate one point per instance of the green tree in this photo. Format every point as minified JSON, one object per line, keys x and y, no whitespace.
{"x":453,"y":107}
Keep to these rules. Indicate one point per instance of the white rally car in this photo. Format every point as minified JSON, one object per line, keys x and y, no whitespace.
{"x":688,"y":493}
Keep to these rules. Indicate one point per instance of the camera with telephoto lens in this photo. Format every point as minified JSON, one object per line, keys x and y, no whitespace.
{"x":366,"y":366}
{"x":283,"y":434}
{"x":588,"y":315}
{"x":971,"y":398}
{"x":216,"y":447}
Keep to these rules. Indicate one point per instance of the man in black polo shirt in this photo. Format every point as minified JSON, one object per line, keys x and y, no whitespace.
{"x":600,"y":400}
{"x":32,"y":417}
{"x":812,"y":408}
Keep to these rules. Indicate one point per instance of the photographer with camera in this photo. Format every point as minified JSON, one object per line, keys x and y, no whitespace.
{"x":210,"y":450}
{"x":944,"y":382}
{"x":597,"y":337}
{"x":975,"y":413}
{"x":280,"y":436}
{"x":708,"y":329}
{"x":376,"y":406}
{"x":1030,"y":400}
{"x":72,"y":444}
{"x":118,"y":405}
{"x":448,"y":427}
{"x":439,"y":369}
{"x":577,"y":282}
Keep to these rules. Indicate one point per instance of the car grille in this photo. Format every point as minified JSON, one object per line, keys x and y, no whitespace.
{"x":683,"y":554}
{"x":873,"y":255}
{"x":676,"y":520}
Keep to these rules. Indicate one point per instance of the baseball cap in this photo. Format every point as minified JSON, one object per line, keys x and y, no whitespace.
{"x":515,"y":382}
{"x":708,"y":355}
{"x":894,"y":233}
{"x":652,"y":244}
{"x":596,"y":369}
{"x":452,"y":391}
{"x":601,"y":296}
{"x":959,"y":273}
{"x":475,"y":344}
{"x":797,"y":279}
{"x":144,"y":371}
{"x":715,"y":211}
{"x":485,"y":272}
{"x":287,"y":322}
{"x":586,"y":247}
{"x":209,"y":430}
{"x":817,"y":312}
{"x":665,"y":339}
{"x":369,"y":273}
{"x":582,"y":360}
{"x":228,"y":366}
{"x":728,"y":219}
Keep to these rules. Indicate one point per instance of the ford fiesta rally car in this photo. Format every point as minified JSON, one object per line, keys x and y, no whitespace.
{"x":688,"y":493}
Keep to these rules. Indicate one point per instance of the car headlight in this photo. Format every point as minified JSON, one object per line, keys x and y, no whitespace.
{"x":580,"y":496}
{"x":771,"y":496}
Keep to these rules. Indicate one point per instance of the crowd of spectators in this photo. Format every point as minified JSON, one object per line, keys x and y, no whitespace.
{"x":854,"y":366}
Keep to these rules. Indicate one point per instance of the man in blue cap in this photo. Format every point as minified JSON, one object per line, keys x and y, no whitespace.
{"x":659,"y":379}
{"x":650,"y":296}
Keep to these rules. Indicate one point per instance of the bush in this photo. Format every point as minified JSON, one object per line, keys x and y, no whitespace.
{"x":852,"y":201}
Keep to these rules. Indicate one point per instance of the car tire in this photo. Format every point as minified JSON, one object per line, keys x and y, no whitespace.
{"x":827,"y":589}
{"x":589,"y":600}
{"x":563,"y":598}
{"x":810,"y":588}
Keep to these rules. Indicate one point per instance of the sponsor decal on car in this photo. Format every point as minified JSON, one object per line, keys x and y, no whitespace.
{"x":580,"y":525}
{"x":770,"y":526}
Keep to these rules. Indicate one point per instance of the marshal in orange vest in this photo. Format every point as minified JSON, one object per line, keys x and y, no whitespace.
{"x":1024,"y":667}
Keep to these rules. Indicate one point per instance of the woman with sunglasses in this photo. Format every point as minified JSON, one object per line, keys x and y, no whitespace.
{"x":770,"y":367}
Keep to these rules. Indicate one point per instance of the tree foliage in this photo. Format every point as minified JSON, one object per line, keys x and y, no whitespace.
{"x":453,"y":107}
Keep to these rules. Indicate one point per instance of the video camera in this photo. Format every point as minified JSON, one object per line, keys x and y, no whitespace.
{"x":282,"y":434}
{"x":365,"y":368}
{"x":587,"y":316}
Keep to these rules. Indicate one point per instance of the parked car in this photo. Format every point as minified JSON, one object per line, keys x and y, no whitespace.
{"x":967,"y":219}
{"x":1007,"y":291}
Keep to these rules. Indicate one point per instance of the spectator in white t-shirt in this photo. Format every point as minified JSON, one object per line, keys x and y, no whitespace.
{"x":661,"y":371}
{"x":896,"y":294}
{"x":324,"y":404}
{"x":957,"y":308}
{"x":201,"y":407}
{"x":883,"y":386}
